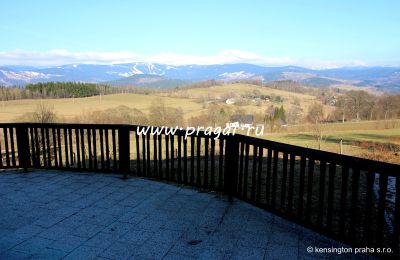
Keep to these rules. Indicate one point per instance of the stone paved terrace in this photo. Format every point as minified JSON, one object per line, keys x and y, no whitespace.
{"x":54,"y":215}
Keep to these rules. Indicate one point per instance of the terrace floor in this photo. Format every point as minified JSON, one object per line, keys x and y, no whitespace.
{"x":54,"y":215}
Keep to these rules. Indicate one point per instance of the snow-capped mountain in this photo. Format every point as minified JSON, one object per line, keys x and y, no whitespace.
{"x":21,"y":75}
{"x":387,"y":78}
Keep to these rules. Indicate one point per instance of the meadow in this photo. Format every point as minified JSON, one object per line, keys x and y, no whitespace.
{"x":69,"y":108}
{"x":372,"y":139}
{"x":369,"y":142}
{"x":191,"y":101}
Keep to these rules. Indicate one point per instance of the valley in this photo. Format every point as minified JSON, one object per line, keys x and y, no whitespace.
{"x":376,"y":139}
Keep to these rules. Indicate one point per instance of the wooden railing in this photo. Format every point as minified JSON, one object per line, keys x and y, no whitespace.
{"x":350,"y":199}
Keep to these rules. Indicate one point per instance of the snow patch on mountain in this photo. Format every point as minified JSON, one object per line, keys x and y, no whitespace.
{"x":140,"y":68}
{"x":152,"y":69}
{"x":27,"y":75}
{"x":4,"y":83}
{"x":135,"y":70}
{"x":236,"y":75}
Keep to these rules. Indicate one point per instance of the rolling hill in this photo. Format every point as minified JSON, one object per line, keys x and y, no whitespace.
{"x":148,"y":81}
{"x":166,"y":76}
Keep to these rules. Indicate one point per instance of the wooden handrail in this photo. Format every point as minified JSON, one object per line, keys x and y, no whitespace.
{"x":344,"y":197}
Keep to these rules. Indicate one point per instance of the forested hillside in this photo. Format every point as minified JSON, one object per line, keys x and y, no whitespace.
{"x":66,"y":89}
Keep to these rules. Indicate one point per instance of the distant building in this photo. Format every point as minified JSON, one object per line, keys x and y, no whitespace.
{"x":230,"y":101}
{"x":233,"y":124}
{"x":242,"y":121}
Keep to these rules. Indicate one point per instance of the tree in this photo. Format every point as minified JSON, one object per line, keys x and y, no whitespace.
{"x":294,"y":115}
{"x":280,"y":114}
{"x":161,"y":115}
{"x":390,"y":106}
{"x":274,"y":117}
{"x":342,"y":107}
{"x":44,"y":113}
{"x":315,"y":113}
{"x":218,"y":115}
{"x":359,"y":103}
{"x":67,"y":89}
{"x":316,"y":116}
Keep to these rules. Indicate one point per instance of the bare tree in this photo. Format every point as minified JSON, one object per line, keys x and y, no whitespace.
{"x":342,"y":106}
{"x":389,"y":106}
{"x":315,"y":117}
{"x":161,"y":115}
{"x":294,"y":115}
{"x":359,"y":102}
{"x":115,"y":115}
{"x":43,"y":113}
{"x":218,"y":115}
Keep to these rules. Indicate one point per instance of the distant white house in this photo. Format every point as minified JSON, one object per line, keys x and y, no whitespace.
{"x":241,"y":121}
{"x":230,"y":101}
{"x":233,"y":124}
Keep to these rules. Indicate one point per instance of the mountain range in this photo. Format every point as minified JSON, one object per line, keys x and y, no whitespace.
{"x":167,"y":76}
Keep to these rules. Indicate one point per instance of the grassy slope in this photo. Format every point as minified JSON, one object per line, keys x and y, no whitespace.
{"x":242,"y":89}
{"x":188,"y":100}
{"x":68,"y":108}
{"x":289,"y":98}
{"x":369,"y":132}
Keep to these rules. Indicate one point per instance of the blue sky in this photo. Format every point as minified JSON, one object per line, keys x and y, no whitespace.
{"x":310,"y":33}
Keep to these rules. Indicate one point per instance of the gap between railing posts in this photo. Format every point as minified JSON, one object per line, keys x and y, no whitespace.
{"x":231,"y":166}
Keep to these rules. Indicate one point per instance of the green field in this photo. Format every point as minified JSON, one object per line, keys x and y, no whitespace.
{"x":367,"y":142}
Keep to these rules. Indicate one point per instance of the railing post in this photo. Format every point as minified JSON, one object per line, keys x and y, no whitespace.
{"x":124,"y":150}
{"x":23,"y":147}
{"x":231,"y":166}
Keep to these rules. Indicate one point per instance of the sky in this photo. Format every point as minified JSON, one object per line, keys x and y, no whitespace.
{"x":310,"y":33}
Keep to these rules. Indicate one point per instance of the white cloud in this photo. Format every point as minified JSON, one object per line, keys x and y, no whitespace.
{"x":61,"y":57}
{"x":226,"y":56}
